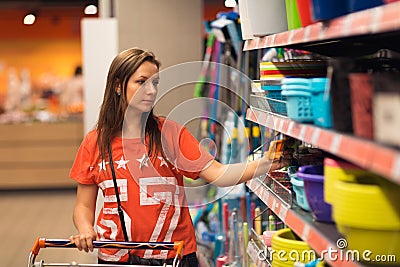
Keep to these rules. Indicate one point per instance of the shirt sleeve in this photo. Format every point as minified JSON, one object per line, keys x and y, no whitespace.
{"x":82,"y":168}
{"x":192,"y":157}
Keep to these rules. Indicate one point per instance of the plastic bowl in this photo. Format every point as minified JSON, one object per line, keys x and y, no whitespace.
{"x":313,"y":176}
{"x":378,"y":242}
{"x":286,"y":240}
{"x":267,"y":237}
{"x":337,"y":169}
{"x":368,"y":206}
{"x":298,"y":188}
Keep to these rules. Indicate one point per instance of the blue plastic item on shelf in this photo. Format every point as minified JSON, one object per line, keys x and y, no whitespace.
{"x":328,"y":9}
{"x":321,"y":102}
{"x":295,"y":81}
{"x":358,"y":5}
{"x":298,"y":98}
{"x":272,"y":84}
{"x":296,"y":87}
{"x":275,"y":99}
{"x":298,"y":105}
{"x":298,"y":188}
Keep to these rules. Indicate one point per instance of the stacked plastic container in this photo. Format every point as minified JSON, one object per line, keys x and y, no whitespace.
{"x":298,"y":188}
{"x":321,"y":102}
{"x":308,"y":100}
{"x":273,"y":93}
{"x":298,"y":99}
{"x":288,"y":244}
{"x":365,"y":207}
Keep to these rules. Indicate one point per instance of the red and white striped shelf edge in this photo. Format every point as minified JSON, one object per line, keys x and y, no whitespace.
{"x":369,"y":155}
{"x":384,"y":18}
{"x":314,"y":237}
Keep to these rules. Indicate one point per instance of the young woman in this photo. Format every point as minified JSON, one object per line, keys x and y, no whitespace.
{"x":149,"y":155}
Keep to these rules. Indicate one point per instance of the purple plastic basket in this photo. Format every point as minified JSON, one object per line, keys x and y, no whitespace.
{"x":313,"y":176}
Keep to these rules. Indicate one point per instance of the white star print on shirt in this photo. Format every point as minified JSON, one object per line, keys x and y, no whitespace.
{"x":122,"y":163}
{"x":102,"y":165}
{"x":176,"y":165}
{"x":143,"y":161}
{"x":163,"y":162}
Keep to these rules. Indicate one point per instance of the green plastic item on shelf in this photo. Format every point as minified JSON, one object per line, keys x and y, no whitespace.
{"x":292,"y":14}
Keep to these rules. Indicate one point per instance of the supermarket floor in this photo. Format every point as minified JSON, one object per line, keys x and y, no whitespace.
{"x":27,"y":215}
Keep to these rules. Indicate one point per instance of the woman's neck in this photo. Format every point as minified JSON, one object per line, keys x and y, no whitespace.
{"x":132,"y":127}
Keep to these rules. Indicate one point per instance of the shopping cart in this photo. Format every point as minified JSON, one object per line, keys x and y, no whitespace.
{"x":66,"y":243}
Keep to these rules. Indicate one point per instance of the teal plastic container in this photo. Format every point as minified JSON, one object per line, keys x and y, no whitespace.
{"x":296,"y":82}
{"x":321,"y":102}
{"x":276,"y":100}
{"x":298,"y":188}
{"x":298,"y":99}
{"x":298,"y":105}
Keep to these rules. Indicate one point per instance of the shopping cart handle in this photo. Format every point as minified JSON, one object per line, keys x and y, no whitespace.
{"x":66,"y":243}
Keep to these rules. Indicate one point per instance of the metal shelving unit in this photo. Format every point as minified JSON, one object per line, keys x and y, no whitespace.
{"x":367,"y":154}
{"x":353,"y":34}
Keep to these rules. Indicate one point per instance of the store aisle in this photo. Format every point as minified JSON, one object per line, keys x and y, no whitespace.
{"x":27,"y":215}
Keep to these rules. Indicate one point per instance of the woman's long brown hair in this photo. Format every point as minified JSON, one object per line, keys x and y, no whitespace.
{"x":112,"y":112}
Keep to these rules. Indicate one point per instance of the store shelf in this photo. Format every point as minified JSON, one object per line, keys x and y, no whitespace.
{"x":254,"y":253}
{"x":320,"y":236}
{"x":364,"y":153}
{"x":351,"y":34}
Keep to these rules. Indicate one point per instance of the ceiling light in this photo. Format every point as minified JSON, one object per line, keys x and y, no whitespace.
{"x":29,"y":19}
{"x":90,"y":10}
{"x":230,"y":3}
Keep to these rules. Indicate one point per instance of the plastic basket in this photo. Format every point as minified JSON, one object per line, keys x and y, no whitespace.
{"x":273,"y":93}
{"x":277,"y":102}
{"x":299,"y":83}
{"x":321,"y":102}
{"x":298,"y":105}
{"x":298,"y":188}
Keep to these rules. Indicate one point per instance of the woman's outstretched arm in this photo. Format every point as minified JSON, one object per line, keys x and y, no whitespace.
{"x":231,"y":174}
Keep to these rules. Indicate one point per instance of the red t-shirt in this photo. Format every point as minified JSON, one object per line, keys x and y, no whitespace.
{"x":151,"y":193}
